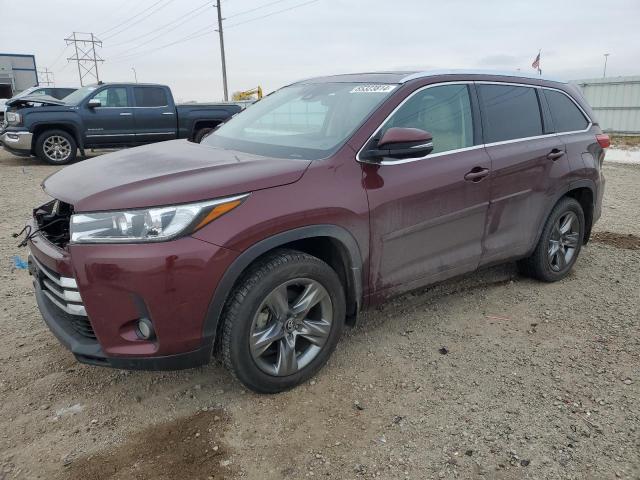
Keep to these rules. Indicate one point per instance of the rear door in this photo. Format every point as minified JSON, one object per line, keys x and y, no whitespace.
{"x":428,"y":214}
{"x":154,"y":115}
{"x":110,"y":124}
{"x":526,"y":156}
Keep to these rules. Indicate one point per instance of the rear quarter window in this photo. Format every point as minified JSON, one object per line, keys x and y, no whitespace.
{"x":565,"y":114}
{"x":509,"y":112}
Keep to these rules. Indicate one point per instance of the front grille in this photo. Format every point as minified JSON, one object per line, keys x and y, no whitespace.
{"x":52,"y":220}
{"x":63,"y":293}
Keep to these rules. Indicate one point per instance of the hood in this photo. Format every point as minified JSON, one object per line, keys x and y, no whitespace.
{"x":43,"y":99}
{"x":167,"y":173}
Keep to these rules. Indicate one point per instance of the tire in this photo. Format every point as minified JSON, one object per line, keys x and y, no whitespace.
{"x":200,"y":134}
{"x":56,"y":147}
{"x":255,"y":306}
{"x":557,"y":252}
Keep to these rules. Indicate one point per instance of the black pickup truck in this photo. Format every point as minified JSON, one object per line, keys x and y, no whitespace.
{"x":107,"y":115}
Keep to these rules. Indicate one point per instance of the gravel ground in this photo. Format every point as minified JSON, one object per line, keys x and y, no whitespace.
{"x":490,"y":376}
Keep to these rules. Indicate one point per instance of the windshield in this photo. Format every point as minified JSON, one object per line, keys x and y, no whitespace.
{"x":306,"y":121}
{"x":76,"y":97}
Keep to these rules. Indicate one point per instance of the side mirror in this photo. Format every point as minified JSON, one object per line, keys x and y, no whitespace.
{"x":401,"y":143}
{"x":94,"y":103}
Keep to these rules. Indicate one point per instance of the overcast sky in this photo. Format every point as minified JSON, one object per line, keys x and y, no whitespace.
{"x":323,"y":37}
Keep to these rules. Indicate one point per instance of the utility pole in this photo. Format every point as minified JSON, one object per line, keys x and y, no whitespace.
{"x":606,"y":57}
{"x":224,"y":62}
{"x":86,"y":57}
{"x":135,"y":75}
{"x":46,"y":78}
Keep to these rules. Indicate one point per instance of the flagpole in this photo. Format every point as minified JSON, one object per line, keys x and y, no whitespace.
{"x":539,"y":69}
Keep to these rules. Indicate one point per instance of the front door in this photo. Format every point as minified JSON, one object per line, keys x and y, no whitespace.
{"x":154,"y":115}
{"x":110,"y":124}
{"x":428,"y":214}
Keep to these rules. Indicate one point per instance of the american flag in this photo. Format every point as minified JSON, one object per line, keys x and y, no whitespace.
{"x":536,"y":64}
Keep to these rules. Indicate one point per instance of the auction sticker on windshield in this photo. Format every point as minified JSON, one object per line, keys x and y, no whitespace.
{"x":373,"y":88}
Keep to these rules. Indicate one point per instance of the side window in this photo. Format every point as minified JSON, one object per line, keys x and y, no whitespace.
{"x":444,"y":111}
{"x":509,"y":112}
{"x":150,"y":97}
{"x":113,"y":97}
{"x":566,"y":116}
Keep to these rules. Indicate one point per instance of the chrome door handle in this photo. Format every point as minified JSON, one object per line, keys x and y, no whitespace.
{"x":555,"y":154}
{"x":167,"y":113}
{"x":125,"y":114}
{"x":476,"y":174}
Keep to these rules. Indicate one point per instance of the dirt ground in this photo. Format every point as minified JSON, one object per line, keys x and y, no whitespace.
{"x":491,"y":376}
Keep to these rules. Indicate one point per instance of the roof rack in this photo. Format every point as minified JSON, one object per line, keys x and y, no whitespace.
{"x":432,"y":73}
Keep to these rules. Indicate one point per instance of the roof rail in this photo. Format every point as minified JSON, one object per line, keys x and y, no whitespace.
{"x":432,"y":73}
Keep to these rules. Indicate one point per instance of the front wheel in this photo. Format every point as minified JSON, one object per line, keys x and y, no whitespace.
{"x":56,"y":147}
{"x":282,"y":322}
{"x":559,"y":244}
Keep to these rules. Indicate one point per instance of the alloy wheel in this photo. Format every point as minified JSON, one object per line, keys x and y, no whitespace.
{"x":57,"y":148}
{"x":563,"y":241}
{"x":291,"y":327}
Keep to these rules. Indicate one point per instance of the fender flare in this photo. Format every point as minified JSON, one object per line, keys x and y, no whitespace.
{"x":556,"y":198}
{"x":53,"y":125}
{"x":231,"y":275}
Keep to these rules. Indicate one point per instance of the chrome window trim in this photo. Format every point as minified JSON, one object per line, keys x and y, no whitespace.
{"x":407,"y":160}
{"x":483,"y":145}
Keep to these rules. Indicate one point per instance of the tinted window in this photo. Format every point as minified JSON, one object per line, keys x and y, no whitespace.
{"x":150,"y":97}
{"x":444,"y":111}
{"x":113,"y":97}
{"x":509,"y":112}
{"x":566,"y":116}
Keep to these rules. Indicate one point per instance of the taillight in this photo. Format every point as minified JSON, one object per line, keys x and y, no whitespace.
{"x":603,"y":140}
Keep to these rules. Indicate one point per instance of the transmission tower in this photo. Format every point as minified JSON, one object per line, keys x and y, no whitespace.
{"x":46,"y":78}
{"x":86,"y":57}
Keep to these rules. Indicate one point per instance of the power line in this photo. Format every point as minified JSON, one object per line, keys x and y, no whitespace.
{"x":131,"y":18}
{"x":202,"y":32}
{"x":197,"y":34}
{"x":59,"y":57}
{"x":254,"y":9}
{"x":127,"y":24}
{"x":132,"y":49}
{"x":272,"y":13}
{"x":188,"y":14}
{"x":118,"y":32}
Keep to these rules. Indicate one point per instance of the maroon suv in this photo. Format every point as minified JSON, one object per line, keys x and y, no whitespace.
{"x":326,"y":197}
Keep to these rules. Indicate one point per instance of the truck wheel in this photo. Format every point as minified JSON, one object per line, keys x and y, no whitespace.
{"x":282,"y":321}
{"x":559,"y":244}
{"x":56,"y":147}
{"x":200,"y":134}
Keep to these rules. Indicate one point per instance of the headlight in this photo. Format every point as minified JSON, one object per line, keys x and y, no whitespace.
{"x":13,"y":117}
{"x":149,"y":224}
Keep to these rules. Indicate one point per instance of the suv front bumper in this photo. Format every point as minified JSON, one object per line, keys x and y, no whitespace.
{"x":90,"y":297}
{"x":17,"y":142}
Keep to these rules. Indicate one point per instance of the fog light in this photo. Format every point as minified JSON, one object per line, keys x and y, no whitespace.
{"x":12,"y":136}
{"x":145,"y":329}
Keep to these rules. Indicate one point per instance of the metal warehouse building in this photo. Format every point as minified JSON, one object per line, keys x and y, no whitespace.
{"x":17,"y":73}
{"x":615,"y":101}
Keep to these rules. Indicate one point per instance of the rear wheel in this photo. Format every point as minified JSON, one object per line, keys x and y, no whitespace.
{"x":282,"y":321}
{"x":56,"y":147}
{"x":559,"y":244}
{"x":200,"y":134}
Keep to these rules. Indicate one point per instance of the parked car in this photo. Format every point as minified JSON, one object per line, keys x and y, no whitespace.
{"x":326,"y":197}
{"x":54,"y":92}
{"x":110,"y":115}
